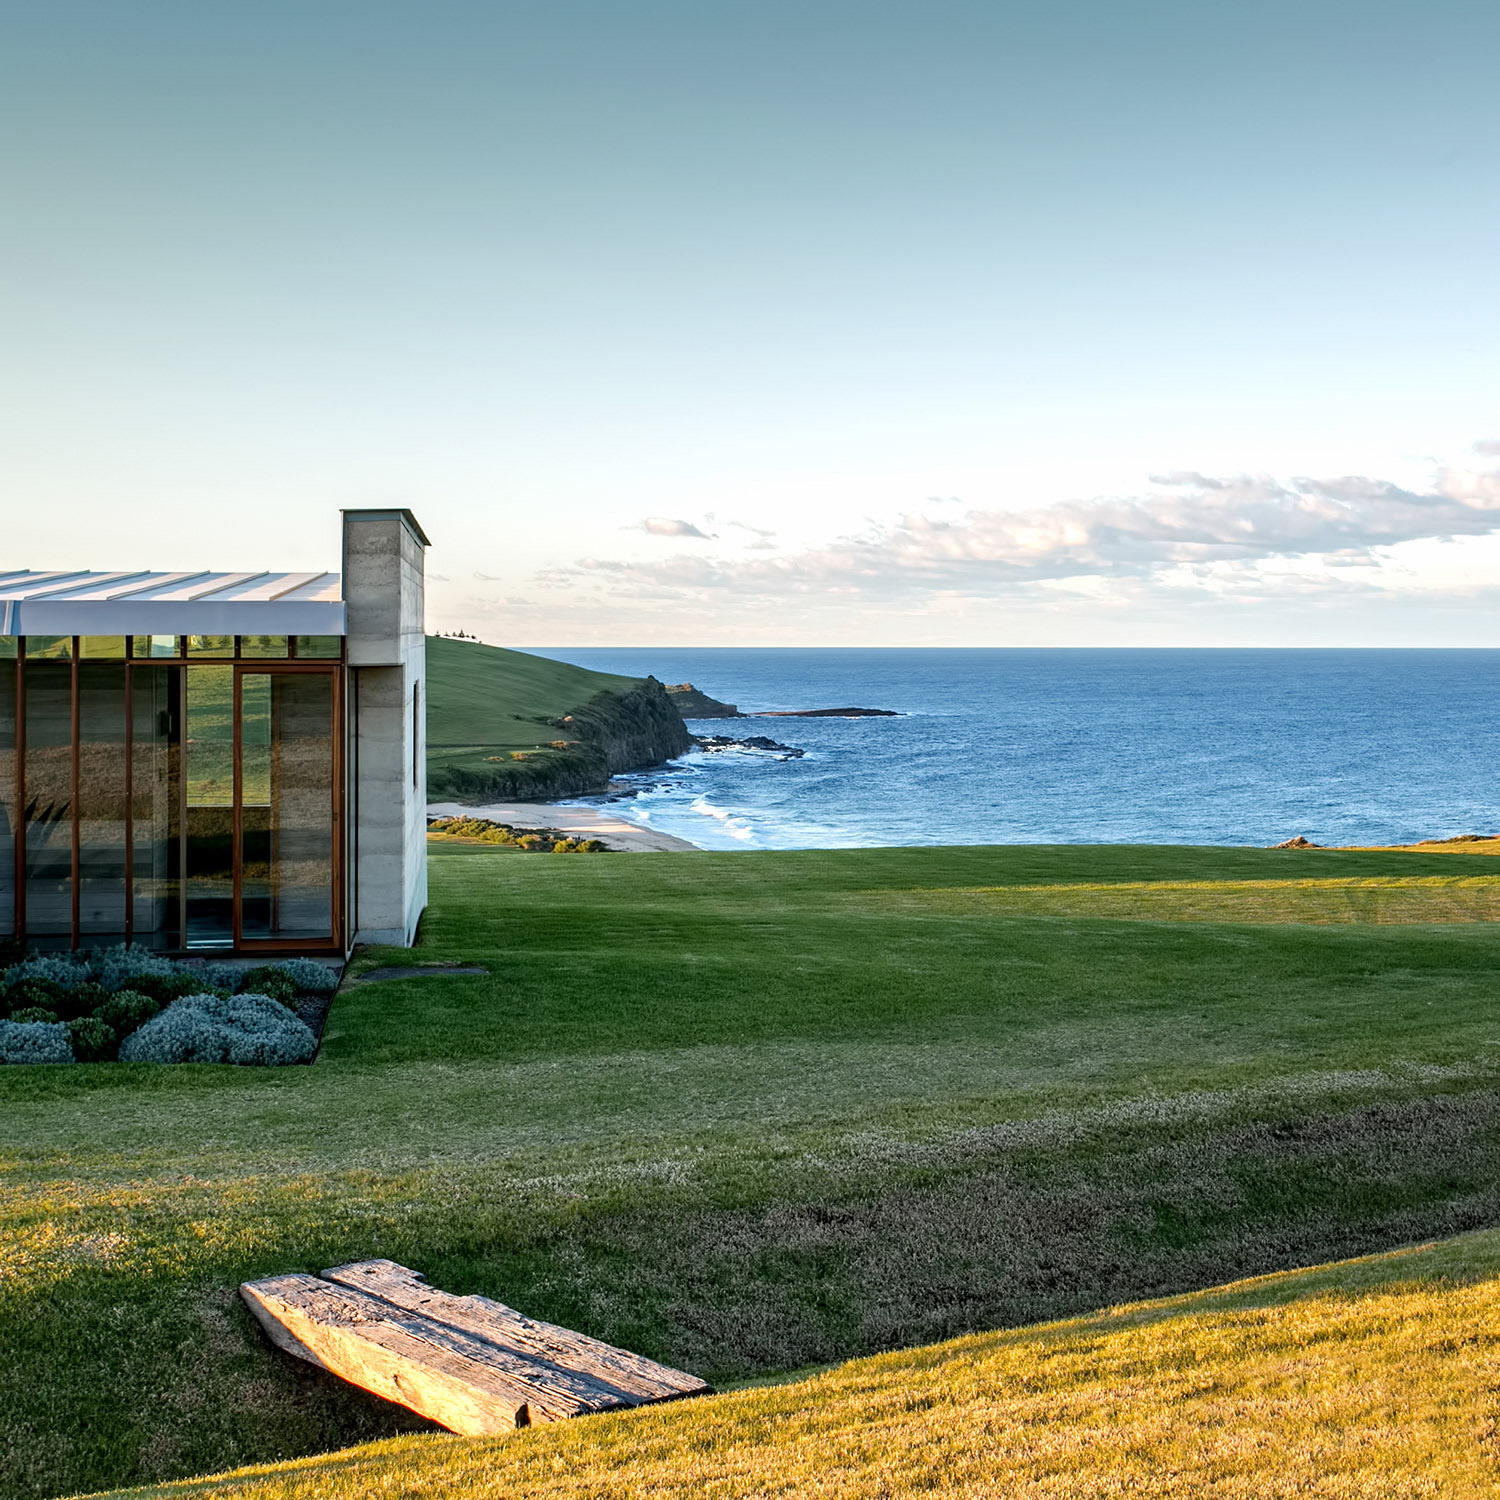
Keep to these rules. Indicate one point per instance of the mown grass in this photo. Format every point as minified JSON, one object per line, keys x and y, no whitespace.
{"x":1368,"y":1378}
{"x":752,"y":1112}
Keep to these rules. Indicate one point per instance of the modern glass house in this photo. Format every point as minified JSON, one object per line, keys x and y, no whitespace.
{"x":233,"y":761}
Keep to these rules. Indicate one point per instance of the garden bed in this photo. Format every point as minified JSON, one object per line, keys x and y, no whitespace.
{"x":129,"y":1005}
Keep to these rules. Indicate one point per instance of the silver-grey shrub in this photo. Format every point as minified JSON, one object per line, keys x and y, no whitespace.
{"x":58,"y":968}
{"x":34,"y":1042}
{"x":310,"y":977}
{"x":251,"y":1030}
{"x":120,"y":968}
{"x":224,"y":977}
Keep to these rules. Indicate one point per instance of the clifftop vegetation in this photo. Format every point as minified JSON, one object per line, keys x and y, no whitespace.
{"x":504,"y":724}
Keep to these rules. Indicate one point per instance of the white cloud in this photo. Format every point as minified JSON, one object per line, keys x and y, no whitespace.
{"x":667,"y":526}
{"x":1190,"y":531}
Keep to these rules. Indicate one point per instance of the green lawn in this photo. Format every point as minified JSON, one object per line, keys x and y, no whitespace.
{"x":754,"y":1112}
{"x":1370,"y":1378}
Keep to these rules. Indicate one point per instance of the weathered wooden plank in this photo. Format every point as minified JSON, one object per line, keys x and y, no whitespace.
{"x":465,"y":1382}
{"x":634,"y":1378}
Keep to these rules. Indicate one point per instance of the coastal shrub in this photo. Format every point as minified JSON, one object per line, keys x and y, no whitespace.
{"x":310,"y":977}
{"x":483,"y":831}
{"x":83,"y":1000}
{"x":120,"y":968}
{"x":246,"y":1029}
{"x":91,"y":1039}
{"x":269,"y":979}
{"x":34,"y":1042}
{"x":27,"y":993}
{"x":60,"y":969}
{"x":224,"y":977}
{"x":35,"y":1015}
{"x":126,"y":1010}
{"x":165,"y":988}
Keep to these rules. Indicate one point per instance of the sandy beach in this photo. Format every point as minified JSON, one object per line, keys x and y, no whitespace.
{"x":582,"y":822}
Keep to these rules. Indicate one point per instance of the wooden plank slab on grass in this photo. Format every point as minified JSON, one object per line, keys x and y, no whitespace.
{"x":472,"y":1365}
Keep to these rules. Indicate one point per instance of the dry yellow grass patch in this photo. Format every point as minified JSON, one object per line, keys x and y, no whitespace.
{"x":1376,"y":1377}
{"x":1376,"y":899}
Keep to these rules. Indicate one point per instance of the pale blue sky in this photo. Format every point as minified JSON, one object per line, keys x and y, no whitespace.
{"x":860,"y":293}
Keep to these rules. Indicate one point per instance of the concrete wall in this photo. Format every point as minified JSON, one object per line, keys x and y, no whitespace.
{"x":387,"y":658}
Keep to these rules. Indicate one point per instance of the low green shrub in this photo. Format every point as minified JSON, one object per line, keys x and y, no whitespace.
{"x":36,"y":1015}
{"x":483,"y":831}
{"x":269,"y":979}
{"x":92,"y":1039}
{"x":84,"y":1000}
{"x":126,"y":1010}
{"x":34,"y":1042}
{"x":249,"y":1030}
{"x":165,"y":988}
{"x":28,"y":993}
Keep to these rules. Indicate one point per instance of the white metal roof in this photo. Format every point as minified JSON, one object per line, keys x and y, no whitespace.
{"x":143,"y":603}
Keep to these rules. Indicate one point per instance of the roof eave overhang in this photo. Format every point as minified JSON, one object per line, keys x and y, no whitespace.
{"x":165,"y":617}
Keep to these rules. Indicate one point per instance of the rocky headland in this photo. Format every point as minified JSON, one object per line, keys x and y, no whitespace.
{"x":691,"y":703}
{"x":715,"y":743}
{"x":630,"y":730}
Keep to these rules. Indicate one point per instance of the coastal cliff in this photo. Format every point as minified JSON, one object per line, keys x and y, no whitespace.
{"x":506,"y":725}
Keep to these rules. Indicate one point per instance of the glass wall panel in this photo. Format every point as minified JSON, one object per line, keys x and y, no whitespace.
{"x":155,"y":770}
{"x":328,"y":646}
{"x":104,"y":647}
{"x":153,"y":645}
{"x":263,"y":645}
{"x":209,"y":773}
{"x":49,"y":796}
{"x":44,"y":647}
{"x":7,"y":796}
{"x":286,"y":721}
{"x":9,"y":647}
{"x":101,"y":798}
{"x":210,"y":645}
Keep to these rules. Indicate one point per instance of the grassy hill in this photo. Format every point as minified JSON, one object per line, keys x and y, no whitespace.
{"x":750,"y":1113}
{"x":1368,"y":1378}
{"x":507,"y":724}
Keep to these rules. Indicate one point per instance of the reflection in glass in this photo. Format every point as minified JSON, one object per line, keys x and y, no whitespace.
{"x":327,"y":646}
{"x":210,"y":645}
{"x":7,"y":800}
{"x":49,"y":796}
{"x":261,"y":646}
{"x":155,"y":768}
{"x":101,"y":798}
{"x":286,"y":743}
{"x":209,"y":749}
{"x":43,"y":647}
{"x":153,"y":645}
{"x":9,"y":647}
{"x":103,"y":647}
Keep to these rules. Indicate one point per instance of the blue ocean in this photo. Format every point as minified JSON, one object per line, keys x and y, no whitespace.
{"x":1070,"y":746}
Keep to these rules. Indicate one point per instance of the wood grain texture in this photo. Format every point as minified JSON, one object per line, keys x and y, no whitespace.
{"x":472,"y":1365}
{"x":635,"y":1378}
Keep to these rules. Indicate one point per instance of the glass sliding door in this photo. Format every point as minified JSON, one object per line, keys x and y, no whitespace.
{"x":156,"y":805}
{"x":174,"y":804}
{"x":101,"y":800}
{"x":8,"y":809}
{"x":48,"y":781}
{"x":208,"y":774}
{"x":287,"y":822}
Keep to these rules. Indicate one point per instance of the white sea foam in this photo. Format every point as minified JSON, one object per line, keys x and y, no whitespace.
{"x":732,"y":823}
